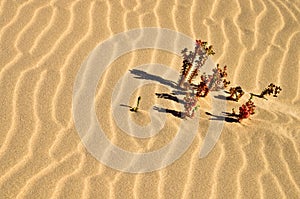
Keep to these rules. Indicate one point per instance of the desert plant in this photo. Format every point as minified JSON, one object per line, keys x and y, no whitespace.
{"x":218,"y":80}
{"x":202,"y":89}
{"x":271,"y":89}
{"x":201,"y":51}
{"x":236,"y":93}
{"x":246,"y":110}
{"x":135,"y":109}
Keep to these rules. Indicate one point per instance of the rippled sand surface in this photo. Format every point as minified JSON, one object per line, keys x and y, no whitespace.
{"x":42,"y":46}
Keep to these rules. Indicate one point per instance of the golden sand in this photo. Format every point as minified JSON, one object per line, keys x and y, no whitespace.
{"x":43,"y":44}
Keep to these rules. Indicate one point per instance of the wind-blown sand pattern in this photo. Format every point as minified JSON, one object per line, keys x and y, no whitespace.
{"x":43,"y":44}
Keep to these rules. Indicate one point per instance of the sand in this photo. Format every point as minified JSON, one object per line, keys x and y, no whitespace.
{"x":44,"y":43}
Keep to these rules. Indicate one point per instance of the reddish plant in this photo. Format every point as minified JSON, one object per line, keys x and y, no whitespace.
{"x":201,"y":51}
{"x":246,"y":110}
{"x":218,"y":80}
{"x":214,"y":82}
{"x":202,"y":88}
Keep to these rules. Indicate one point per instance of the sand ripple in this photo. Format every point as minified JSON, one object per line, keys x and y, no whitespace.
{"x":43,"y":44}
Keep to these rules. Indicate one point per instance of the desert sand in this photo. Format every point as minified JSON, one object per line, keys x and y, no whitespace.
{"x":43,"y":45}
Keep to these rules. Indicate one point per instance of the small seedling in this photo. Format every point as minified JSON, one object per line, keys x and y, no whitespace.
{"x":135,"y":109}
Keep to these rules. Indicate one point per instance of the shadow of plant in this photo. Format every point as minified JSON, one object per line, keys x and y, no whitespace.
{"x":175,"y":113}
{"x":144,"y":75}
{"x":223,"y":118}
{"x":170,"y":97}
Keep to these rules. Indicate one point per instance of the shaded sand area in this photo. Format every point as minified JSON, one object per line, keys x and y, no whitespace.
{"x":43,"y":44}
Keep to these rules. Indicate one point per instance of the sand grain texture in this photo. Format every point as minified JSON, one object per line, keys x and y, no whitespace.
{"x":42,"y":46}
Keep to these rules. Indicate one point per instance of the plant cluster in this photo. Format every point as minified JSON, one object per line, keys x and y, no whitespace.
{"x":192,"y":63}
{"x":248,"y":109}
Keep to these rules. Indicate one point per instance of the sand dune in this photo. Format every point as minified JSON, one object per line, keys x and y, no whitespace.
{"x":44,"y":43}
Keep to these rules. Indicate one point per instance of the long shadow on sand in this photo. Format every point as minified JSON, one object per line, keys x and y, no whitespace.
{"x":169,"y":97}
{"x":125,"y":105}
{"x":173,"y":112}
{"x":144,"y":75}
{"x":223,"y":118}
{"x":222,"y":97}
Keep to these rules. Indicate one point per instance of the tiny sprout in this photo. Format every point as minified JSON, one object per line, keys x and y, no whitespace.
{"x":135,"y":109}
